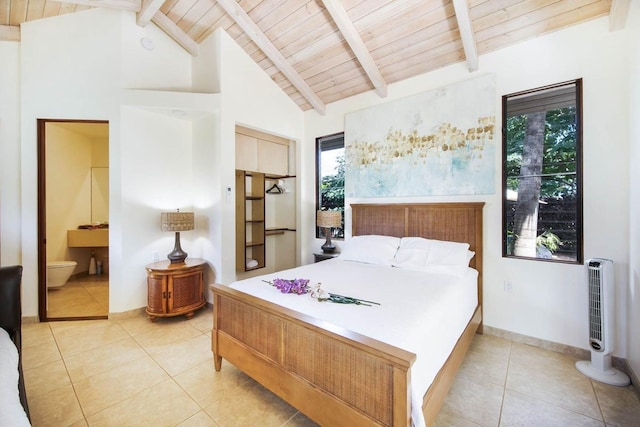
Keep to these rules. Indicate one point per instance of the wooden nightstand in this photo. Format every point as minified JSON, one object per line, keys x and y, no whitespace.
{"x":317,"y":257}
{"x":175,"y":289}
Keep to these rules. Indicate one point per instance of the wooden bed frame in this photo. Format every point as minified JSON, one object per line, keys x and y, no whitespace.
{"x":334,"y":376}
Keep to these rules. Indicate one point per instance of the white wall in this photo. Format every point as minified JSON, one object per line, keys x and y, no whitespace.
{"x":205,"y":68}
{"x":208,"y":196}
{"x":68,"y":198}
{"x":167,"y":67}
{"x":10,"y":230}
{"x":91,"y":65}
{"x":100,"y":151}
{"x":249,"y":98}
{"x":548,"y":300}
{"x":63,"y":75}
{"x":75,"y":67}
{"x":156,"y":177}
{"x":633,"y":356}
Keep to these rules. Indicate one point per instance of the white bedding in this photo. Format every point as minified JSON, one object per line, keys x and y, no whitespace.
{"x":11,"y":411}
{"x":413,"y":308}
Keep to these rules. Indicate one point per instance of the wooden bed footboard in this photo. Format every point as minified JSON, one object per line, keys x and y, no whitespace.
{"x":332,"y":375}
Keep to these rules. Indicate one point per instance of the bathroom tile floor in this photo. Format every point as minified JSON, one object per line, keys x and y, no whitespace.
{"x":130,"y":371}
{"x":81,"y":296}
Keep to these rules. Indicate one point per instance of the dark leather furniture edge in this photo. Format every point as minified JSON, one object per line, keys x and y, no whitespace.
{"x":11,"y":317}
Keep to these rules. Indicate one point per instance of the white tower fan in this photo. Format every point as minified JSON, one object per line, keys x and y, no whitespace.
{"x":601,"y":324}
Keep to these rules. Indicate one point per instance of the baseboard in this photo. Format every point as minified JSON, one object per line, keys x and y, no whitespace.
{"x":26,"y":320}
{"x":578,"y":353}
{"x":635,"y":381}
{"x":136,"y":312}
{"x":140,"y":311}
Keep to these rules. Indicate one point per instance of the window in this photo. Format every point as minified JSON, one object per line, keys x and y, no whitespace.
{"x":542,"y":173}
{"x":330,"y":178}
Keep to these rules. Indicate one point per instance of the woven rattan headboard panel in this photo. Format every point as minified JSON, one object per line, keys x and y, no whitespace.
{"x":456,"y":222}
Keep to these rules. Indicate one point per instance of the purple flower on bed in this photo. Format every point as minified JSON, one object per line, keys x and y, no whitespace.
{"x":295,"y":286}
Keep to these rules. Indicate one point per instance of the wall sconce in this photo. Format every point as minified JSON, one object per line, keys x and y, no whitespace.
{"x":328,"y":220}
{"x":177,"y":221}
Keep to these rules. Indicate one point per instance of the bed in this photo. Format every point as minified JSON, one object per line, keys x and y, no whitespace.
{"x":335,"y":375}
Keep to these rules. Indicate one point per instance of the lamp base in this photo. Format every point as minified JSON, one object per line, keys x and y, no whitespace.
{"x":177,"y":255}
{"x":328,"y":246}
{"x":328,"y":249}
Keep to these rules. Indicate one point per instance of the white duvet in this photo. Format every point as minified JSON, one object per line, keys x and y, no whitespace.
{"x":419,"y":312}
{"x":11,"y":411}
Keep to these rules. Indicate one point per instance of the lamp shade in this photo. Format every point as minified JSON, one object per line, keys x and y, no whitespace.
{"x":176,"y":221}
{"x":329,"y":219}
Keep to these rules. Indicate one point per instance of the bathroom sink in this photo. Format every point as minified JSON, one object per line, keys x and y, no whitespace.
{"x":88,"y":238}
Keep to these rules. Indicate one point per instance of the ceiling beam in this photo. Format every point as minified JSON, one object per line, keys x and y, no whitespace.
{"x":9,"y":33}
{"x":466,"y":33}
{"x":176,"y":33}
{"x":130,"y":5}
{"x":148,"y":9}
{"x":243,"y":20}
{"x":351,"y":35}
{"x":618,"y":14}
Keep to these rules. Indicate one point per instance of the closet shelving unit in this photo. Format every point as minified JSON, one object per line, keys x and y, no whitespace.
{"x":250,"y":222}
{"x":262,"y":159}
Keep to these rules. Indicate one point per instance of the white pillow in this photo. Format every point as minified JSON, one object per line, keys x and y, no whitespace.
{"x":417,"y":253}
{"x":470,"y":255}
{"x":413,"y":251}
{"x":448,"y":253}
{"x":371,"y":249}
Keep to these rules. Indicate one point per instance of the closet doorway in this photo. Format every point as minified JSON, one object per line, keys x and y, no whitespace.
{"x":73,"y":219}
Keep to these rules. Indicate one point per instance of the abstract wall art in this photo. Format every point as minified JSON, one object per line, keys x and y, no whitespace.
{"x":440,"y":142}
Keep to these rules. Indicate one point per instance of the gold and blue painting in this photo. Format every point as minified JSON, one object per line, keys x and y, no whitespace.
{"x":439,"y":142}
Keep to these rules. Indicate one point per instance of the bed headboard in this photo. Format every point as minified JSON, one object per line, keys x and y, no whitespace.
{"x":456,"y":222}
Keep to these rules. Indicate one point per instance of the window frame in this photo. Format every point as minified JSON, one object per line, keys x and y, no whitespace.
{"x":331,"y":139}
{"x":578,"y":164}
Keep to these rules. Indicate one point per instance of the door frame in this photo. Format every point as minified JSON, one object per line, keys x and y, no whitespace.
{"x":42,"y":219}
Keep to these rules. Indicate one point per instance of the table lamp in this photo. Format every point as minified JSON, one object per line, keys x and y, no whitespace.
{"x":328,"y":220}
{"x":177,"y":221}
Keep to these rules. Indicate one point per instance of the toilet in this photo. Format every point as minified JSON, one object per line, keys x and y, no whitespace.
{"x":58,"y":272}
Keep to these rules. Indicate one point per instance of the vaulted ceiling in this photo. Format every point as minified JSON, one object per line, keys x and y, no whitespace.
{"x":321,"y":51}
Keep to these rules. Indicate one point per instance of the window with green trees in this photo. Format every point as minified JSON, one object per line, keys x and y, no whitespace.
{"x":542,"y":173}
{"x":330,"y":167}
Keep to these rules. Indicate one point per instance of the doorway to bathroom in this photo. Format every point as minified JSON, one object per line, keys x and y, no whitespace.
{"x":73,"y":219}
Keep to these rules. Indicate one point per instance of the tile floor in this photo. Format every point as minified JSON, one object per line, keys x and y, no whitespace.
{"x":133,"y":372}
{"x":81,"y":296}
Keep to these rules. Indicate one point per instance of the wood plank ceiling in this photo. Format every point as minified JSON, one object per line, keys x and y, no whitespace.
{"x":321,"y":51}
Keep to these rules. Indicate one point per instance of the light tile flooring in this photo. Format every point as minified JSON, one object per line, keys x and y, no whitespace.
{"x":133,"y":372}
{"x":81,"y":296}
